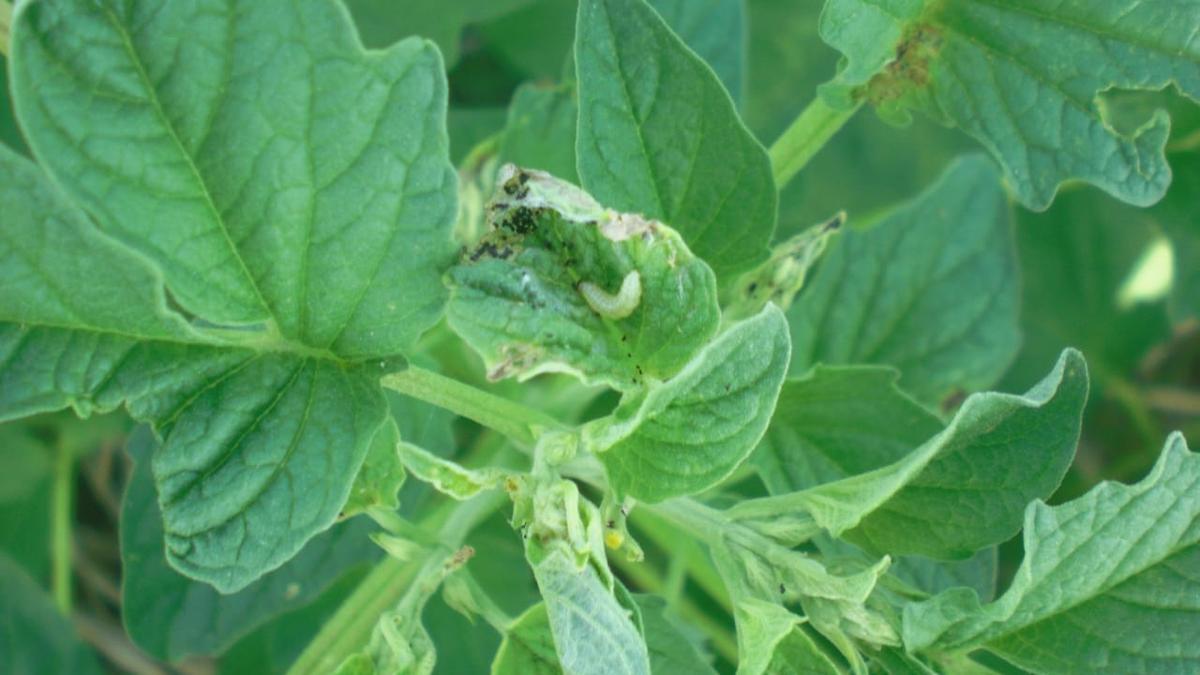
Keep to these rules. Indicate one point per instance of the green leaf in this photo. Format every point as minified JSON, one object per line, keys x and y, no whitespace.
{"x":148,"y":115}
{"x":170,"y":616}
{"x":671,"y":653}
{"x":931,"y":290}
{"x":1024,"y":78}
{"x":36,"y":638}
{"x":540,"y":133}
{"x":934,"y":576}
{"x":716,"y":31}
{"x":962,"y":490}
{"x":659,"y":135}
{"x":592,"y":632}
{"x":528,"y":646}
{"x":265,"y":421}
{"x":689,"y":433}
{"x":1121,"y":556}
{"x":771,"y":639}
{"x":380,"y":477}
{"x":446,"y":476}
{"x":837,"y":422}
{"x":562,"y":284}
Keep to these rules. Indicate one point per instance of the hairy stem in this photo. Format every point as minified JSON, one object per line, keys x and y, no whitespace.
{"x":61,"y":515}
{"x":518,"y":422}
{"x":807,"y":134}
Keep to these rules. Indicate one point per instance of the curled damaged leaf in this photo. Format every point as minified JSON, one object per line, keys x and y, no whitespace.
{"x":560,"y":283}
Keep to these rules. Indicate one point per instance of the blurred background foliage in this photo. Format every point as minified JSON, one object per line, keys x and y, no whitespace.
{"x":1121,"y":284}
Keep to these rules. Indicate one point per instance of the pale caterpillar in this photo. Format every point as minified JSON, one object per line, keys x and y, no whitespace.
{"x":616,"y":306}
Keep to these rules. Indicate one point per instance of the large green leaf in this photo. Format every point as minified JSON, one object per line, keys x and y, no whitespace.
{"x":659,"y":135}
{"x":274,"y":147}
{"x":962,"y":490}
{"x":1023,"y":78}
{"x":593,"y":633}
{"x":689,"y":433}
{"x":251,"y":212}
{"x":1109,"y":583}
{"x":931,"y":290}
{"x":170,"y":616}
{"x":36,"y":638}
{"x":839,"y":421}
{"x":561,"y":283}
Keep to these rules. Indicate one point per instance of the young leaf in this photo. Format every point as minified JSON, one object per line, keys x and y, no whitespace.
{"x":172,"y":617}
{"x":660,"y":136}
{"x":1121,"y":556}
{"x":266,"y":420}
{"x":655,"y":445}
{"x":593,"y":634}
{"x":564,"y":284}
{"x":446,"y":476}
{"x":837,"y":422}
{"x":965,"y":488}
{"x":1023,"y":78}
{"x":36,"y":638}
{"x":931,"y":290}
{"x":275,"y":147}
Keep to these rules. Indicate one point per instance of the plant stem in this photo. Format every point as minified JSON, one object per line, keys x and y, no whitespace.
{"x":516,"y":421}
{"x":350,"y":627}
{"x":61,"y":513}
{"x":808,"y":133}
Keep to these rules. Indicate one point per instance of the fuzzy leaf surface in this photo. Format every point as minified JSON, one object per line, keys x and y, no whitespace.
{"x":1120,"y":556}
{"x":1023,"y":78}
{"x":275,"y":147}
{"x":593,"y":634}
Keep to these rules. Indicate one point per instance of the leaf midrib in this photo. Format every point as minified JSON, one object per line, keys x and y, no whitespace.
{"x":172,"y":133}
